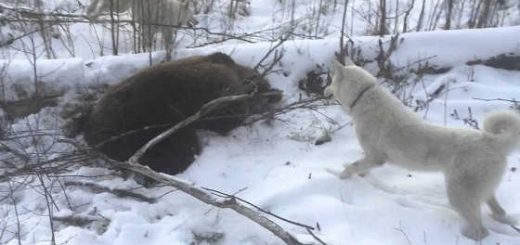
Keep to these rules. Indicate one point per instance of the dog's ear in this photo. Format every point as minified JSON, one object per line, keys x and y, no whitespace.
{"x":338,"y":69}
{"x":337,"y":66}
{"x":349,"y":62}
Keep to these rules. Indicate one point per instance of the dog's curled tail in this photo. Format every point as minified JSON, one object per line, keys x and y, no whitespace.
{"x":505,"y":125}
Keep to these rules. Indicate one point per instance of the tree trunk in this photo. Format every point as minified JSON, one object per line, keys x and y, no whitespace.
{"x":484,"y":14}
{"x":449,"y":5}
{"x":383,"y":30}
{"x":421,"y":17}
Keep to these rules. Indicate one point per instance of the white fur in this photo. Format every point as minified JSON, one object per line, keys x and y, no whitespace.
{"x":472,"y":161}
{"x":155,"y":16}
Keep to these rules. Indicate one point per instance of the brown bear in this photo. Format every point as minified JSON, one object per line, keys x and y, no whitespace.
{"x":162,"y":95}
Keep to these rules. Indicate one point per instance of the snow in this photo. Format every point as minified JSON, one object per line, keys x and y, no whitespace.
{"x":276,"y":165}
{"x":465,"y":45}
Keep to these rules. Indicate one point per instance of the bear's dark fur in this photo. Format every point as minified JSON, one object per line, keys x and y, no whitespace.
{"x":165,"y":94}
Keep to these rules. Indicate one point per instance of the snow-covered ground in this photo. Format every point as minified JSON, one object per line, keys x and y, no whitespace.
{"x":276,"y":166}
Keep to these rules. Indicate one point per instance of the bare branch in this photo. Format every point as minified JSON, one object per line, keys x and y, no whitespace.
{"x":316,"y":237}
{"x":269,"y":52}
{"x":205,"y":109}
{"x":498,"y":99}
{"x":203,"y":196}
{"x":229,"y":196}
{"x":15,"y":205}
{"x":52,"y":165}
{"x":150,"y":127}
{"x":122,"y":193}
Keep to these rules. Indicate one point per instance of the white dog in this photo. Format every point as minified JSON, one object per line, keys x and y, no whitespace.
{"x":472,"y":161}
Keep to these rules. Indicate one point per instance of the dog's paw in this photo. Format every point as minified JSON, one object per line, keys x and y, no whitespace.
{"x":475,"y":233}
{"x":339,"y":174}
{"x":344,"y":175}
{"x":333,"y":172}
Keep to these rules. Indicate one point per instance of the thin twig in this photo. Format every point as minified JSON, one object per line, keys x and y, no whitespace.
{"x":498,"y":99}
{"x":60,"y":163}
{"x":404,"y":234}
{"x":308,"y":103}
{"x":15,"y":152}
{"x":316,"y":237}
{"x":15,"y":205}
{"x":122,"y":193}
{"x":48,"y":201}
{"x":274,"y":48}
{"x":228,"y":196}
{"x":515,"y":228}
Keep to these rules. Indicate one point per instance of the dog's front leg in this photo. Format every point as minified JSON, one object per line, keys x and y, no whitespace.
{"x":361,"y":166}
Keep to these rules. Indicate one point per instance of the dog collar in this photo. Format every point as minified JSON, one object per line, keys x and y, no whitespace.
{"x":360,"y":95}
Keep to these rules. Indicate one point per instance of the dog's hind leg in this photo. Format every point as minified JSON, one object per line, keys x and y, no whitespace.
{"x":467,"y":202}
{"x":498,"y":213}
